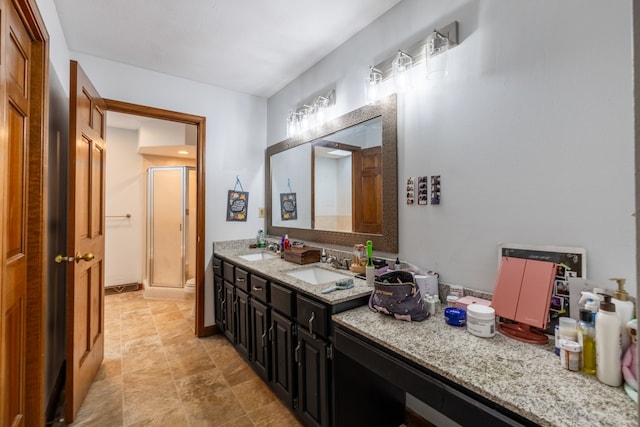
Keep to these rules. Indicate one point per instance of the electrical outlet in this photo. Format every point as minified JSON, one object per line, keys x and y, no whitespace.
{"x":260,"y":212}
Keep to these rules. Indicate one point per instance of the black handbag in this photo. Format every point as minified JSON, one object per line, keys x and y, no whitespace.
{"x":396,"y":294}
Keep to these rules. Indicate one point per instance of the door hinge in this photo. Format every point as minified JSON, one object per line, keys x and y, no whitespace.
{"x":295,"y":403}
{"x":330,"y":352}
{"x":294,"y":330}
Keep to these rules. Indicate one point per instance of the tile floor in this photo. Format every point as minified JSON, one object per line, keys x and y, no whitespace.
{"x":157,"y":373}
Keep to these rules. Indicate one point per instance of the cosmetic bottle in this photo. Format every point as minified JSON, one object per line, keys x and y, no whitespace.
{"x":608,"y":352}
{"x":624,"y":310}
{"x":587,"y":339}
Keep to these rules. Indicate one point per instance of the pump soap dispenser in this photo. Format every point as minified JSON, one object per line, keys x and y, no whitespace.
{"x":608,"y":366}
{"x":624,"y":310}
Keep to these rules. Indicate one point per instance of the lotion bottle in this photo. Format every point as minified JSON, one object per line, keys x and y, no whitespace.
{"x":624,"y":310}
{"x":608,"y":352}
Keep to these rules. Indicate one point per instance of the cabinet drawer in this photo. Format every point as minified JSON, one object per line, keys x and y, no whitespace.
{"x":227,"y":272}
{"x":217,"y":266}
{"x":242,"y":279}
{"x":312,"y":316}
{"x":282,"y":299}
{"x":259,"y":288}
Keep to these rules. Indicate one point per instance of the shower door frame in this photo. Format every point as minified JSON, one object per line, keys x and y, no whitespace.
{"x":184,"y":227}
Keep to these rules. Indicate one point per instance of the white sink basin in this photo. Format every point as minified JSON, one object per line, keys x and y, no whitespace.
{"x":258,"y":256}
{"x":317,"y":276}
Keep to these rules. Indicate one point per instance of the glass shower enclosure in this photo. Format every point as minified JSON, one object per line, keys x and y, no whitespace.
{"x":171,"y":225}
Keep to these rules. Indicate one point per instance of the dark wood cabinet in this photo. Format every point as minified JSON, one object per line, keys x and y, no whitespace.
{"x":282,"y":364}
{"x":259,"y":338}
{"x":218,"y":289}
{"x":313,"y":380}
{"x":243,"y":331}
{"x":228,"y":303}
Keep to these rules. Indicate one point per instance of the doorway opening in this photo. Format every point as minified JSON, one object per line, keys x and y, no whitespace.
{"x":195,"y":127}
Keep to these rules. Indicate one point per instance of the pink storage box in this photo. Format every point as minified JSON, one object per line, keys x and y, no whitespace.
{"x":465,"y":301}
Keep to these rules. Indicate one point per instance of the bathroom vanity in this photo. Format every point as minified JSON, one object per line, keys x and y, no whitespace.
{"x":336,"y":363}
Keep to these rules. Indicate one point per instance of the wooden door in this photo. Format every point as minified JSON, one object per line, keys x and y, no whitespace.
{"x":282,"y":368}
{"x":14,"y":153}
{"x":367,"y":188}
{"x":259,"y":342}
{"x":242,"y":324}
{"x":313,"y":398}
{"x":85,"y":290}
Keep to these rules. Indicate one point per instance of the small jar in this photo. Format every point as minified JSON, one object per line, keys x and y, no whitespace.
{"x":455,"y":316}
{"x":451,"y":300}
{"x":570,"y":352}
{"x":481,"y":320}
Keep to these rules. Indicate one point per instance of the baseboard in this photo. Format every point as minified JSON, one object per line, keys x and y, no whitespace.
{"x":210,"y":330}
{"x":413,"y":419}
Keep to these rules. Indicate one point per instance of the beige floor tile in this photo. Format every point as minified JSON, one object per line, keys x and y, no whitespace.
{"x":190,"y":364}
{"x":238,"y":373}
{"x":196,"y":387}
{"x":274,"y":414}
{"x":111,"y":367}
{"x":142,"y":401}
{"x":253,"y":394}
{"x":144,"y":362}
{"x":243,"y":421}
{"x":102,"y":405}
{"x":214,"y":409}
{"x":142,"y":345}
{"x":174,"y":417}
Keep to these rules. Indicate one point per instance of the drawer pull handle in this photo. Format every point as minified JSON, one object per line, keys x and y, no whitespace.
{"x":257,"y":288}
{"x":240,"y":279}
{"x":297,"y":351}
{"x":264,"y":338}
{"x":216,"y":267}
{"x":313,"y":316}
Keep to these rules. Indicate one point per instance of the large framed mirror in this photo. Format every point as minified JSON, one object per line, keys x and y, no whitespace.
{"x":338,"y":183}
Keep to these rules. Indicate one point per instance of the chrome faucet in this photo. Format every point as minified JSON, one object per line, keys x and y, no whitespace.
{"x":344,"y":265}
{"x":274,"y":247}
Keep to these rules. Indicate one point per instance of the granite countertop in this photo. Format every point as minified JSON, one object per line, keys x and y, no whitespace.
{"x":277,"y":268}
{"x":524,"y":378}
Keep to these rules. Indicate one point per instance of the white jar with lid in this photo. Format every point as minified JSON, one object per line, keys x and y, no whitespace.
{"x":481,"y":320}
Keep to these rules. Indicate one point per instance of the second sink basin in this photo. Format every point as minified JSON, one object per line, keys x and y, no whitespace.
{"x":258,"y":256}
{"x":317,"y":276}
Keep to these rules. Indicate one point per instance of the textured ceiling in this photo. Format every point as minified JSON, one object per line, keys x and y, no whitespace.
{"x":250,"y":46}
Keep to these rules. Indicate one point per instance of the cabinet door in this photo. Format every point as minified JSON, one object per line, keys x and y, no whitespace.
{"x":243,"y":344}
{"x":282,"y":364}
{"x":218,"y":297}
{"x":229,"y":312}
{"x":313,"y":398}
{"x":259,"y":339}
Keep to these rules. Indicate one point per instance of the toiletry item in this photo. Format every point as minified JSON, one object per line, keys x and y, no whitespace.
{"x":287,"y":242}
{"x":587,"y":339}
{"x":370,"y":268}
{"x":421,"y":281}
{"x":591,"y":302}
{"x":624,"y":310}
{"x":481,"y":320}
{"x":261,"y":241}
{"x":323,"y":257}
{"x":455,"y":316}
{"x":431,"y":304}
{"x":568,"y":329}
{"x":397,"y":265}
{"x":282,"y":246}
{"x":464,"y":302}
{"x":556,"y":330}
{"x":451,"y":300}
{"x":608,"y":366}
{"x":570,"y":355}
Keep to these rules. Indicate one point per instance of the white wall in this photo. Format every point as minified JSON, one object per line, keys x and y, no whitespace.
{"x":235,"y":132}
{"x":532,"y":131}
{"x":124,"y":191}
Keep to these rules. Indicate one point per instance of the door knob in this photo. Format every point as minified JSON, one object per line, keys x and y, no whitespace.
{"x":78,"y":257}
{"x":86,"y":257}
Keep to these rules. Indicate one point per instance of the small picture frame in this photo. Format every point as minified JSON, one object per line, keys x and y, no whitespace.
{"x":237,"y":205}
{"x":557,"y":304}
{"x":561,"y":288}
{"x":288,"y":207}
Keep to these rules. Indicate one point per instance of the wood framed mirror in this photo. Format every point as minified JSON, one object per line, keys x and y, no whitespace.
{"x":341,"y":179}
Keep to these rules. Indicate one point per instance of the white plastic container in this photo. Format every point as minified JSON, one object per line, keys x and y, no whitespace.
{"x":481,"y":320}
{"x":624,"y":311}
{"x":608,"y":350}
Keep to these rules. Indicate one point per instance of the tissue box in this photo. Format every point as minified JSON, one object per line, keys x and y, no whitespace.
{"x":302,"y":255}
{"x":465,"y":301}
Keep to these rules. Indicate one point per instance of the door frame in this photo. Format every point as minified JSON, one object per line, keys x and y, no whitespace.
{"x":200,"y":123}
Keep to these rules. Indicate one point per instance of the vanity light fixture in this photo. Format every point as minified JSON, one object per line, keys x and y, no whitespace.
{"x":340,"y":153}
{"x":432,"y":49}
{"x":372,"y":85}
{"x":436,"y":50}
{"x":401,"y":67}
{"x":314,"y":112}
{"x":183,"y":152}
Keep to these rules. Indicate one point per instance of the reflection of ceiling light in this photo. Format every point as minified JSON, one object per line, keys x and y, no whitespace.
{"x":183,"y":152}
{"x":340,"y":153}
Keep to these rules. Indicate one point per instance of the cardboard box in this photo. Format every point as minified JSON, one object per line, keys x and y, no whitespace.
{"x":302,"y":255}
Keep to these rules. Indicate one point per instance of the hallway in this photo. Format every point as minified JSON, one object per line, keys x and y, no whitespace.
{"x":157,"y":373}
